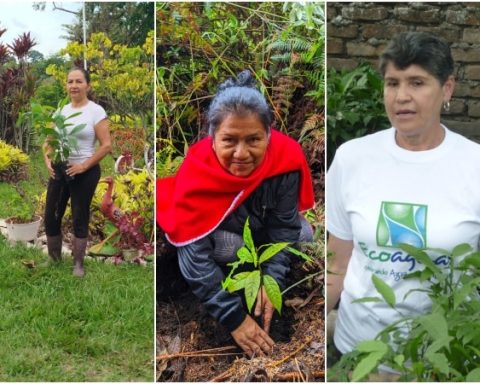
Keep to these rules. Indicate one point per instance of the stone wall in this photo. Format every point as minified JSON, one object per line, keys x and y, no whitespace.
{"x":360,"y":31}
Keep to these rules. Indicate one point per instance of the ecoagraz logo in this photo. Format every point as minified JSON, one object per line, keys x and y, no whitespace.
{"x":402,"y":223}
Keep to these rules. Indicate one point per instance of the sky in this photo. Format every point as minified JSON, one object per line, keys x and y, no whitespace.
{"x":44,"y":26}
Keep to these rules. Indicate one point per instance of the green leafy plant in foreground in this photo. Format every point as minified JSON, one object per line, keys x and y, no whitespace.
{"x":442,"y":345}
{"x":252,"y":281}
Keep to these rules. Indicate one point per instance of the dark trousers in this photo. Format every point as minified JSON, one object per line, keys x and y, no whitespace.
{"x":80,"y":190}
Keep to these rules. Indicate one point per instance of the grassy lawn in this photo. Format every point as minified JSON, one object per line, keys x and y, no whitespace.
{"x":54,"y":327}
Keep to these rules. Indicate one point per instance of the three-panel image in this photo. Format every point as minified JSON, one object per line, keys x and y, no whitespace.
{"x":239,"y":192}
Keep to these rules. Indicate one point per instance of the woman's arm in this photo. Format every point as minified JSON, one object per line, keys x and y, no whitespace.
{"x":102,"y":133}
{"x":340,"y":252}
{"x":48,"y":162}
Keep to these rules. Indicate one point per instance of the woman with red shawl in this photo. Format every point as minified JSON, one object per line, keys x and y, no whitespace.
{"x":244,"y":169}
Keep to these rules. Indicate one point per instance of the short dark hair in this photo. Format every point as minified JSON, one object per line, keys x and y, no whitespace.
{"x":238,"y":97}
{"x":86,"y":74}
{"x":421,"y":48}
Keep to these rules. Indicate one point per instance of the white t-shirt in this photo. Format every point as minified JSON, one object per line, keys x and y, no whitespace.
{"x":91,"y":115}
{"x":380,"y":195}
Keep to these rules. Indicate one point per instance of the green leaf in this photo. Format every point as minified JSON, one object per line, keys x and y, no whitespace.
{"x":252,"y":285}
{"x":237,"y":282}
{"x":366,"y":366}
{"x":439,"y":361}
{"x":473,"y":260}
{"x":421,"y":256}
{"x":273,"y":292}
{"x":73,"y":115}
{"x":461,"y":249}
{"x":444,"y":342}
{"x":77,"y":129}
{"x":372,"y":346}
{"x":385,"y":290}
{"x":248,"y":240}
{"x":244,"y":255}
{"x":435,"y":324}
{"x":399,"y":360}
{"x":459,"y":295}
{"x":473,"y":376}
{"x":298,"y":253}
{"x":367,"y":300}
{"x":271,"y":251}
{"x":49,"y":132}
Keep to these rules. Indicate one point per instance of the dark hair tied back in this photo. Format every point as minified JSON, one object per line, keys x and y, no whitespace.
{"x":244,"y":79}
{"x":238,"y":97}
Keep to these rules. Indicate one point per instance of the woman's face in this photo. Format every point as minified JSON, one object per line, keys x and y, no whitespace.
{"x":413,"y":100}
{"x":77,"y":86}
{"x":240,"y":143}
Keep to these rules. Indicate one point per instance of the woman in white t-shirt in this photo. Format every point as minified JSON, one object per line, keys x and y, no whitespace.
{"x":416,"y":183}
{"x":82,"y":166}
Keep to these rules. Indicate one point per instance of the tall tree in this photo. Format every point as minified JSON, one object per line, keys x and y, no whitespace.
{"x":125,"y":23}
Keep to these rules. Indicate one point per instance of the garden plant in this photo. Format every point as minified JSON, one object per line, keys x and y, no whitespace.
{"x":442,"y":345}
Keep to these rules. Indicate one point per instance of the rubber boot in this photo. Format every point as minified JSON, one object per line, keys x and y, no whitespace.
{"x":54,"y":246}
{"x":78,"y":252}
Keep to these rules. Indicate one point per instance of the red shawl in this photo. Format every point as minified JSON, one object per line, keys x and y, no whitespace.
{"x":192,"y":204}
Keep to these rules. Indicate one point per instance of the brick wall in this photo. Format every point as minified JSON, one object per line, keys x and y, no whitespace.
{"x":360,"y":31}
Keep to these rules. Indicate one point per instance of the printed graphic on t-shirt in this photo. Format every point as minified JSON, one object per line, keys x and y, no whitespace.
{"x":402,"y":223}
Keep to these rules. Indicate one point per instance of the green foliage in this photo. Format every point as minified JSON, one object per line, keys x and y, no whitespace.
{"x":132,"y":192}
{"x":442,"y":345}
{"x":56,"y":328}
{"x":55,"y":128}
{"x":252,"y":281}
{"x":126,"y":22}
{"x":17,"y":85}
{"x":19,"y":205}
{"x":13,"y":163}
{"x":199,"y":45}
{"x":355,"y":105}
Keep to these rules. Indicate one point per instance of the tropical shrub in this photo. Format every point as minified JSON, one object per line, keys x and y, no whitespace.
{"x":129,"y":138}
{"x":440,"y":346}
{"x":13,"y":163}
{"x":132,"y":193}
{"x":17,"y":85}
{"x":355,"y":105}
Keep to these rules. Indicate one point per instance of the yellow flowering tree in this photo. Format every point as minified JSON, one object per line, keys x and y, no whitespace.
{"x":121,"y":76}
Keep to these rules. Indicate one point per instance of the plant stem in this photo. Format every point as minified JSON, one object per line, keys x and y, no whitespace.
{"x":301,"y":281}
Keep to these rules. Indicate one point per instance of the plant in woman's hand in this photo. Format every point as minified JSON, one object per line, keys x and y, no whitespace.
{"x":253,"y":280}
{"x":442,"y":345}
{"x":58,"y":132}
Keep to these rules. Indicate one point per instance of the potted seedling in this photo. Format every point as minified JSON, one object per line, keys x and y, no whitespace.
{"x":24,"y":225}
{"x":58,"y":132}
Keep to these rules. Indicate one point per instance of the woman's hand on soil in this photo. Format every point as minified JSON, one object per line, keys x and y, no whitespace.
{"x":264,"y":308}
{"x":252,"y":338}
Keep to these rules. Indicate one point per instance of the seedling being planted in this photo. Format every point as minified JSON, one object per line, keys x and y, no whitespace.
{"x":252,"y":281}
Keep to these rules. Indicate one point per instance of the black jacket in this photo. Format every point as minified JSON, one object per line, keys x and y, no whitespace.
{"x":273,"y":215}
